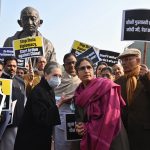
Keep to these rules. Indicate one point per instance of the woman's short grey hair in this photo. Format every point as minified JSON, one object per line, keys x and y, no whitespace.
{"x":50,"y":66}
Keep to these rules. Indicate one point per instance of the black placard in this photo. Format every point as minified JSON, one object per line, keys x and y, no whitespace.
{"x":109,"y":57}
{"x":71,"y":134}
{"x":136,"y":25}
{"x":21,"y":63}
{"x":91,"y":54}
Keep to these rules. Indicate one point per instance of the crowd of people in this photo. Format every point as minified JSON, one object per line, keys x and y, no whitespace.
{"x":111,"y":104}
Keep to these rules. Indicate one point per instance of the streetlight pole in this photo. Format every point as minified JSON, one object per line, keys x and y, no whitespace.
{"x":144,"y":54}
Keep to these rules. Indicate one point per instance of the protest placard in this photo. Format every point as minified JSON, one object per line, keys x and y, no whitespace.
{"x":136,"y":25}
{"x":71,"y":134}
{"x":21,"y":63}
{"x":79,"y":47}
{"x":82,"y":50}
{"x":28,"y":47}
{"x":91,"y":54}
{"x":6,"y":51}
{"x":109,"y":57}
{"x":5,"y":94}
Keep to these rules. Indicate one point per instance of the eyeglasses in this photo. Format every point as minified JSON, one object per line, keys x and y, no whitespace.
{"x":127,"y":59}
{"x":83,"y":68}
{"x":106,"y":76}
{"x":70,"y":63}
{"x":40,"y":62}
{"x":14,"y":66}
{"x":20,"y":72}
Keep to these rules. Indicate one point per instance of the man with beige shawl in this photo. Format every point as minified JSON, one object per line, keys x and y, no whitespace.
{"x":64,"y":93}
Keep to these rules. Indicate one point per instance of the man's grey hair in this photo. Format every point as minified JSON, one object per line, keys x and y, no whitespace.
{"x":50,"y":66}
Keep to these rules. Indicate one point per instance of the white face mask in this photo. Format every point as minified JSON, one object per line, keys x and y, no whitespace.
{"x":54,"y":81}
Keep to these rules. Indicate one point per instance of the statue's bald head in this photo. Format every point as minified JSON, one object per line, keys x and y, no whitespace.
{"x":30,"y":20}
{"x":28,"y":10}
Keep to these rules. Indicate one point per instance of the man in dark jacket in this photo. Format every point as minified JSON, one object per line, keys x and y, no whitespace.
{"x":135,"y":88}
{"x":41,"y":113}
{"x":18,"y":95}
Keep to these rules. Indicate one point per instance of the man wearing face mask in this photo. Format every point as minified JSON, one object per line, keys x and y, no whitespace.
{"x":41,"y":113}
{"x":30,"y":22}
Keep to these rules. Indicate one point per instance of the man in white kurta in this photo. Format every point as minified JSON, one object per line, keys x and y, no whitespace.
{"x":65,"y":93}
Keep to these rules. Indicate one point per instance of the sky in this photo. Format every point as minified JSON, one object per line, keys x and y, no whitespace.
{"x":95,"y":22}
